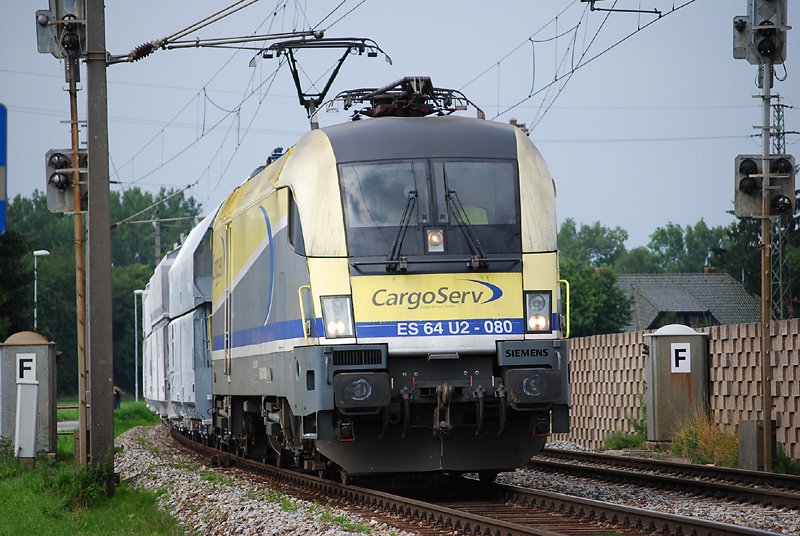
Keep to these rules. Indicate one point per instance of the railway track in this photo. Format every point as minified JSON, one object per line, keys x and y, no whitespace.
{"x":754,"y":487}
{"x":471,"y":507}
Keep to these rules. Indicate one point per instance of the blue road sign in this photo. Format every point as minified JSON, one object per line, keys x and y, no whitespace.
{"x":3,"y":154}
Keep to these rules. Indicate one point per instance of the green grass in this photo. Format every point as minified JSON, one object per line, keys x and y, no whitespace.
{"x":341,"y":521}
{"x":55,"y":498}
{"x":33,"y":505}
{"x":216,"y":478}
{"x":617,"y":439}
{"x":785,"y":464}
{"x":700,"y":440}
{"x":132,"y":414}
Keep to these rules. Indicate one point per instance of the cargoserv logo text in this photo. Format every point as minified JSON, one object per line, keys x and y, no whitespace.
{"x":444,"y":296}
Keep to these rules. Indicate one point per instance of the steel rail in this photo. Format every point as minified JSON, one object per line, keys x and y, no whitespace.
{"x":751,"y":486}
{"x":615,"y":514}
{"x":757,"y":478}
{"x":462,"y":520}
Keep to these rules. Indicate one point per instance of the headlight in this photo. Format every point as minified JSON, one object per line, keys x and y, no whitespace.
{"x":538,"y":311}
{"x":435,"y":240}
{"x":537,"y":323}
{"x":337,"y":316}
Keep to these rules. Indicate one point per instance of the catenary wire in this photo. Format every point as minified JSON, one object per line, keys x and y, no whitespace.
{"x":582,"y":63}
{"x":130,"y":160}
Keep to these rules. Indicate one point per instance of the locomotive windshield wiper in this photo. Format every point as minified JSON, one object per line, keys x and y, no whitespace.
{"x":393,"y":259}
{"x":455,"y":208}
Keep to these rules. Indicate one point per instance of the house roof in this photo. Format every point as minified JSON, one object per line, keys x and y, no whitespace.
{"x":716,"y":293}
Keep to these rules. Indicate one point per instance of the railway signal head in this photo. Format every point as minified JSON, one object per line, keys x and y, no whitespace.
{"x":782,"y":172}
{"x":61,"y":30}
{"x":749,"y":182}
{"x":768,"y":19}
{"x":59,"y":176}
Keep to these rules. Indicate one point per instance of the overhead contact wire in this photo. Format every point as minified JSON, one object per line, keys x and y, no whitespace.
{"x":196,"y":96}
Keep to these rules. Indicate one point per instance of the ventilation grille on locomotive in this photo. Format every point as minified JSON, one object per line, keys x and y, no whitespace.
{"x":351,"y":358}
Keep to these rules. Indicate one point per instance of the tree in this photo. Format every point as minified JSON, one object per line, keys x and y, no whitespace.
{"x":134,"y":241}
{"x":595,"y":245}
{"x":133,"y":263}
{"x":597,"y":304}
{"x":637,"y":261}
{"x":126,"y":279}
{"x":740,"y":254}
{"x":16,"y":279}
{"x":585,"y":255}
{"x":680,"y":251}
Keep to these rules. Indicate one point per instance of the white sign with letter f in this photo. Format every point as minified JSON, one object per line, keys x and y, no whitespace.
{"x":680,"y":356}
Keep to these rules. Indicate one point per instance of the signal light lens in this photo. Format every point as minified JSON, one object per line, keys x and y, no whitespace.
{"x":781,"y":204}
{"x":59,"y":161}
{"x":335,"y":328}
{"x":782,"y":166}
{"x":766,"y":47}
{"x":748,"y":167}
{"x":60,"y":181}
{"x":71,"y":42}
{"x":766,"y":44}
{"x":748,"y":185}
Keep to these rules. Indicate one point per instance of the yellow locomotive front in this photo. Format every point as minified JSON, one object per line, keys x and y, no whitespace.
{"x":441,"y":326}
{"x":386,"y":299}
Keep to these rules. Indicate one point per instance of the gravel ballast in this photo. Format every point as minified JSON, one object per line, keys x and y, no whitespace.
{"x":221,"y":501}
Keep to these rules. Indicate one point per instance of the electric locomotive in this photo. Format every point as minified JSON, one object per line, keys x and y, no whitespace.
{"x":385,"y":296}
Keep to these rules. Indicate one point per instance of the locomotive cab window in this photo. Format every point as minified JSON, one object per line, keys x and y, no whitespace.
{"x":482,"y":193}
{"x":483,"y":197}
{"x":295,"y":228}
{"x":409,"y":201}
{"x":378,"y":199}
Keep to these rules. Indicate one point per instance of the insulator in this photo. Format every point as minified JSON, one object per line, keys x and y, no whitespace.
{"x":142,"y":51}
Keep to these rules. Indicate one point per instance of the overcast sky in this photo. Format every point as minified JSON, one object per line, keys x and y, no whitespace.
{"x":639,"y":136}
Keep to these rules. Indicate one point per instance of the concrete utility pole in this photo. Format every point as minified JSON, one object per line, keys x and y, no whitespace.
{"x":100,"y":351}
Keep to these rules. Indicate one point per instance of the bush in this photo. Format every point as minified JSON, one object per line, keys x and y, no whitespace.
{"x":618,"y":439}
{"x":81,"y":487}
{"x":701,"y":441}
{"x":785,"y":464}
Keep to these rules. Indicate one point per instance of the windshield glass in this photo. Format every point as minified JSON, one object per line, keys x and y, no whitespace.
{"x":469,"y":200}
{"x":374,"y":196}
{"x":486,"y":191}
